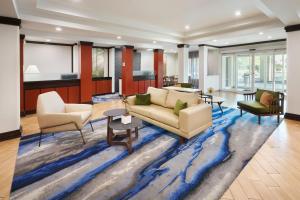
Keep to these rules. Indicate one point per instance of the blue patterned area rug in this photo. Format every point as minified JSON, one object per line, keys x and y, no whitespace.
{"x":159,"y":168}
{"x":106,"y":98}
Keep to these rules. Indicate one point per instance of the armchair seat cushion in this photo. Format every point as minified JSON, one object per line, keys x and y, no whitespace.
{"x":253,"y":106}
{"x":84,"y":115}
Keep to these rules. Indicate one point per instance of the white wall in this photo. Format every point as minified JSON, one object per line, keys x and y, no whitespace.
{"x":9,"y":78}
{"x":293,"y":72}
{"x":183,"y":63}
{"x":50,"y":59}
{"x":171,"y":64}
{"x":112,"y":67}
{"x":147,"y":61}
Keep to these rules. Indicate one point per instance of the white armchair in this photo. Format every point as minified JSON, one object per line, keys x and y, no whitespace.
{"x":55,"y":116}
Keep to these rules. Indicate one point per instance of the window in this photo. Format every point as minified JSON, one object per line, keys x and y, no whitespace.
{"x":193,"y":68}
{"x":100,"y":62}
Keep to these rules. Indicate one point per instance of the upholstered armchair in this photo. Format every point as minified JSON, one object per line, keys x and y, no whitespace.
{"x":56,"y":116}
{"x":253,"y":104}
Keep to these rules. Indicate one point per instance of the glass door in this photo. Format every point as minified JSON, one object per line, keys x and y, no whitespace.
{"x":280,"y":72}
{"x":243,"y":72}
{"x":228,"y":78}
{"x":263,"y":71}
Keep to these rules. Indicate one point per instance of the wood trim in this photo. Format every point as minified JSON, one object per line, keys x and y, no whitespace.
{"x":10,"y":21}
{"x":22,"y":36}
{"x":128,"y":47}
{"x":86,"y":43}
{"x":159,"y":50}
{"x":292,"y":28}
{"x":101,"y":78}
{"x":254,"y":43}
{"x":182,"y":45}
{"x":51,"y":84}
{"x":292,"y":116}
{"x":10,"y":135}
{"x":50,"y":43}
{"x":207,"y":45}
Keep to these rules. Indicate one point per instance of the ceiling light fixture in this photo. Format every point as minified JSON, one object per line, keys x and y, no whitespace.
{"x":119,"y":37}
{"x":215,"y":40}
{"x":58,"y":28}
{"x":154,"y":42}
{"x":270,"y":37}
{"x":48,"y":40}
{"x":237,"y":13}
{"x":261,"y":33}
{"x":187,"y":27}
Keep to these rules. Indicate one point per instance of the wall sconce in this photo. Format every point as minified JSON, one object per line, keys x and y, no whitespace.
{"x":32,"y":69}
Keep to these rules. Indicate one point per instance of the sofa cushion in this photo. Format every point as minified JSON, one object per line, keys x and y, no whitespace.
{"x":173,"y":96}
{"x":142,"y":99}
{"x":142,"y":110}
{"x":253,"y":106}
{"x":163,"y":115}
{"x":179,"y":106}
{"x":158,"y":96}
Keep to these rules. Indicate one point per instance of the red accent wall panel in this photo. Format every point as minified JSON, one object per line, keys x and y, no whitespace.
{"x":147,"y":84}
{"x":63,"y":93}
{"x":94,"y":87}
{"x":74,"y":94}
{"x":127,"y":77}
{"x":141,"y":87}
{"x":158,"y":67}
{"x":31,"y":99}
{"x":86,"y":82}
{"x":22,"y":37}
{"x":135,"y":88}
{"x":109,"y":86}
{"x":152,"y":82}
{"x":99,"y":87}
{"x":44,"y":90}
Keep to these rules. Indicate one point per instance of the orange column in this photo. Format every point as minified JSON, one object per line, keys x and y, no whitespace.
{"x":127,"y":71}
{"x":85,"y":63}
{"x":158,"y":67}
{"x":22,"y":109}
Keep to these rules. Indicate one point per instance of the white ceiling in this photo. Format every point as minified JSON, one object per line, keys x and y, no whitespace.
{"x":139,"y":22}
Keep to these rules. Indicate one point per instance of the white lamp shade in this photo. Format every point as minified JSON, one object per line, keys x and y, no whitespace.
{"x":32,"y":69}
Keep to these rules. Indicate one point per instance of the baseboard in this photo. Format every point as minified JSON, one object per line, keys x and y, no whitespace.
{"x":10,"y":135}
{"x":292,"y":116}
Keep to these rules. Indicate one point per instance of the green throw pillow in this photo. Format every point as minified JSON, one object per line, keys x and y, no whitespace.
{"x":142,"y":99}
{"x":179,"y":106}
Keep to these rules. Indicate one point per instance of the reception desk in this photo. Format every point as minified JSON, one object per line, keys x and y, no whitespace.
{"x":140,"y":84}
{"x":69,"y":90}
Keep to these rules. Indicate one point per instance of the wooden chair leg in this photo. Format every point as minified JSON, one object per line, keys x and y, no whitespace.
{"x":40,"y":138}
{"x":82,"y":137}
{"x":91,"y":125}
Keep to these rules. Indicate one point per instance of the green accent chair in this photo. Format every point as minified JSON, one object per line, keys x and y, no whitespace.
{"x":252,"y":104}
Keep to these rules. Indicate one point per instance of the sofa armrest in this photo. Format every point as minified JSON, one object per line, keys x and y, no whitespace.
{"x":194,"y":117}
{"x":57,"y":119}
{"x":78,"y":107}
{"x":131,"y":100}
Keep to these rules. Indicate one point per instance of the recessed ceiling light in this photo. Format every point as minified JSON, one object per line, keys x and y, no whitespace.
{"x":58,"y":28}
{"x":187,"y":27}
{"x":119,"y":37}
{"x":215,"y":40}
{"x":261,"y":33}
{"x":270,"y":37}
{"x":48,"y":40}
{"x":237,"y":13}
{"x":154,"y":42}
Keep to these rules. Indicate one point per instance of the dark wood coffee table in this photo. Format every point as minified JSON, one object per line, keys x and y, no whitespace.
{"x":117,"y":139}
{"x":111,"y":114}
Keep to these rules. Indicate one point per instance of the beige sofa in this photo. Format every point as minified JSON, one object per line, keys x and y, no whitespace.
{"x":55,"y":116}
{"x":190,"y":122}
